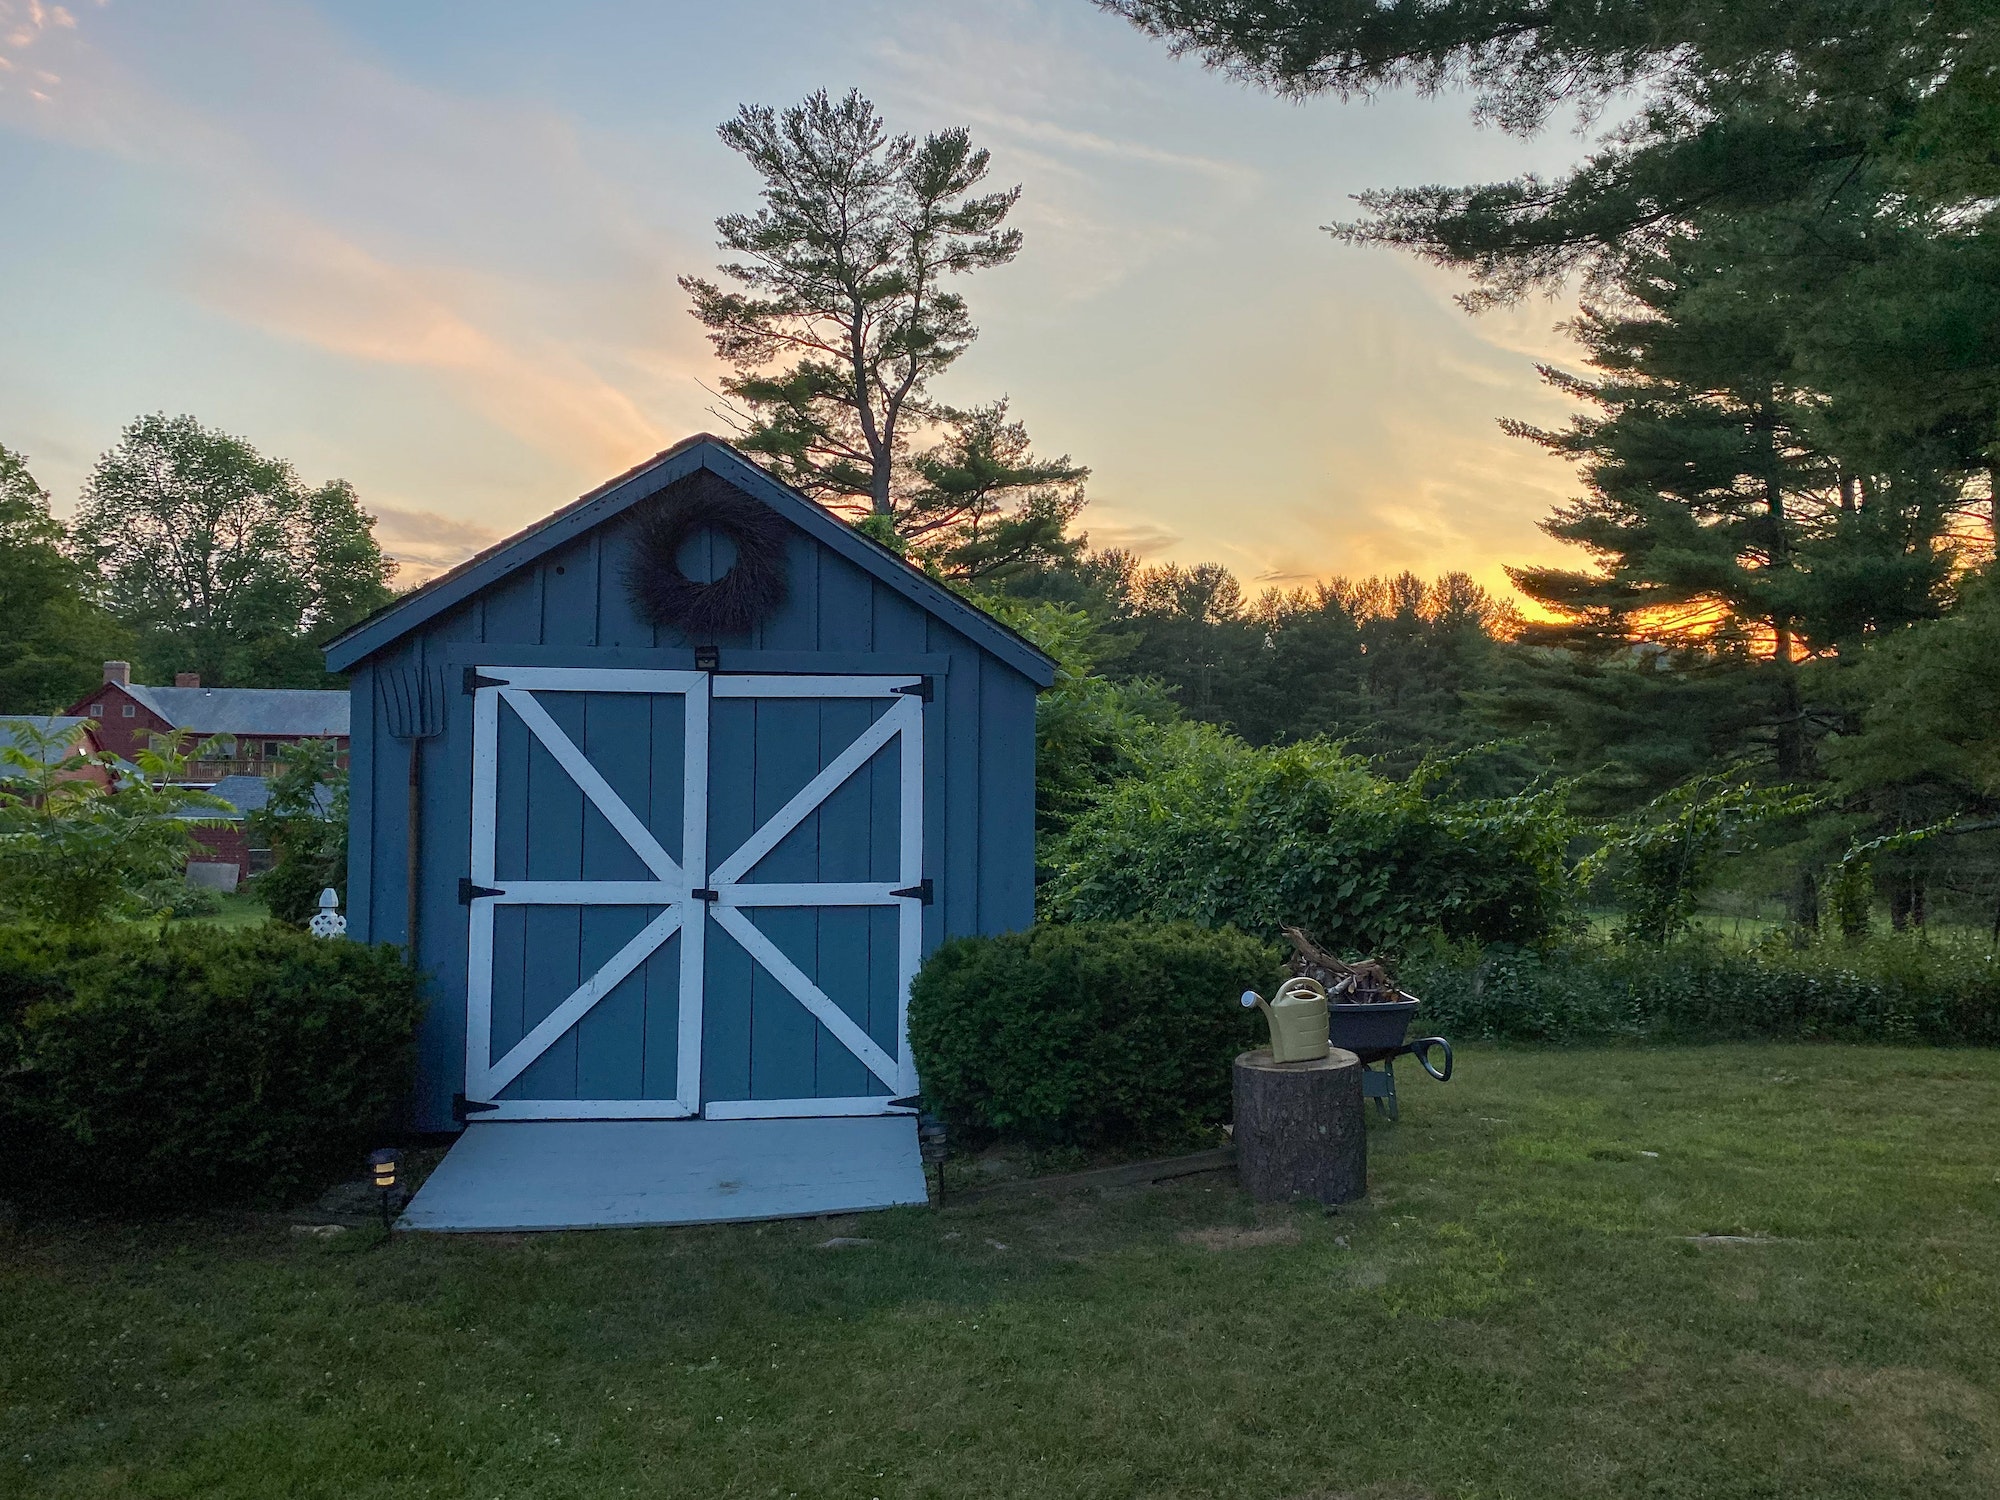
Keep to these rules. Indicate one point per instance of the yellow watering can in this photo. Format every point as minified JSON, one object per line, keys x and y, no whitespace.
{"x":1298,"y":1020}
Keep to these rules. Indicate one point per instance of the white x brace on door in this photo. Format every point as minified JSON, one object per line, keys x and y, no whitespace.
{"x":687,"y":894}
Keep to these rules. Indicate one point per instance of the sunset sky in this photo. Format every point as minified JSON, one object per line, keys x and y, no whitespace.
{"x":432,"y":248}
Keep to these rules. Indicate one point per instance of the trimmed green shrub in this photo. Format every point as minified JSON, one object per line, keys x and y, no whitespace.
{"x":1902,"y":989}
{"x":183,"y":902}
{"x":1093,"y":1033}
{"x":197,"y":1066}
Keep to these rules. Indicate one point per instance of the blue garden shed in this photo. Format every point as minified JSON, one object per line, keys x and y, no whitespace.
{"x":669,"y":794}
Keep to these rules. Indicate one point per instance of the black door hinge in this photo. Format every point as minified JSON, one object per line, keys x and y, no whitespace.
{"x":475,"y":680}
{"x":705,"y":893}
{"x":462,"y":1108}
{"x":469,"y":893}
{"x":921,"y":890}
{"x":922,"y":688}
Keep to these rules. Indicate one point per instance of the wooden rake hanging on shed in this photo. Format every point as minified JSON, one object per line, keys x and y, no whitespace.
{"x":413,"y":707}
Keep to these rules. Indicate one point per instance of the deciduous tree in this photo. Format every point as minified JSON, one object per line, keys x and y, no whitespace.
{"x":220,"y":559}
{"x":52,"y":638}
{"x":76,"y":851}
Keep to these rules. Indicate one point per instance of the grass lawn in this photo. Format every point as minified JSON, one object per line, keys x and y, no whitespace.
{"x":239,"y":909}
{"x":1517,"y":1311}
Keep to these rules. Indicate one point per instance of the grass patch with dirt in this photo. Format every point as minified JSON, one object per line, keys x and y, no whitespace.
{"x":1729,"y":1272}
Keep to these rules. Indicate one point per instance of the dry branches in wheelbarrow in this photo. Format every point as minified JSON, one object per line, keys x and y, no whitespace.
{"x":1366,"y":982}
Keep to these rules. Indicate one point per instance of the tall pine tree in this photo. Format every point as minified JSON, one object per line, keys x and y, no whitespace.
{"x":839,"y":312}
{"x":1727,"y":532}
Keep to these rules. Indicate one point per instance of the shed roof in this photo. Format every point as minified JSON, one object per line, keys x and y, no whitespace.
{"x":252,"y":711}
{"x":702,"y":451}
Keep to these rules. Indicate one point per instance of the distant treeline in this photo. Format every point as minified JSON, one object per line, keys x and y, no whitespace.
{"x":1385,"y":664}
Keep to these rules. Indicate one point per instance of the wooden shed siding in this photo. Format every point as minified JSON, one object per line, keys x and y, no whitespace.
{"x":362,"y":769}
{"x":1006,"y":787}
{"x":978,"y":764}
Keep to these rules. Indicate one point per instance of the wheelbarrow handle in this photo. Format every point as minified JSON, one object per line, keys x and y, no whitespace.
{"x":1420,"y":1050}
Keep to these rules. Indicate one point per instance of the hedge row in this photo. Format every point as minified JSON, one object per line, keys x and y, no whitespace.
{"x":1120,"y":1032}
{"x":1903,"y":990}
{"x":196,"y":1067}
{"x":208,"y":1066}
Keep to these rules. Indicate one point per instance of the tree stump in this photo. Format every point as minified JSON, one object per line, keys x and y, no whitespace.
{"x":1299,"y":1128}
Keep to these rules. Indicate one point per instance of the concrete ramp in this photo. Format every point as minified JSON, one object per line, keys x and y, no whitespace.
{"x":604,"y":1174}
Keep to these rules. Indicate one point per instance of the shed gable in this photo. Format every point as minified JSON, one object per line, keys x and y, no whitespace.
{"x":601,"y":524}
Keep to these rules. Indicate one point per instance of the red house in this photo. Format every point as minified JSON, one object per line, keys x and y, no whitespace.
{"x":230,"y":853}
{"x":263,"y":721}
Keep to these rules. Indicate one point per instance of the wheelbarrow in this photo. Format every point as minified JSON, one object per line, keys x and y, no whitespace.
{"x":1376,"y":1032}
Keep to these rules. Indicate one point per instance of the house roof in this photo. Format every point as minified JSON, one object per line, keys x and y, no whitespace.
{"x":246,"y":794}
{"x":250,"y":711}
{"x":702,"y":451}
{"x":54,"y":725}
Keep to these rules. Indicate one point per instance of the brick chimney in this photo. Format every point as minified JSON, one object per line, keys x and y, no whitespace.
{"x":118,"y":673}
{"x":187,"y":679}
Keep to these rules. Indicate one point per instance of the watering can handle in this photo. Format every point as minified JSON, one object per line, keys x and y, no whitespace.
{"x":1420,"y":1049}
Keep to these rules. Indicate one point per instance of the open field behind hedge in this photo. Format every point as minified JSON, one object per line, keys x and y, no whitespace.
{"x":1518,"y":1311}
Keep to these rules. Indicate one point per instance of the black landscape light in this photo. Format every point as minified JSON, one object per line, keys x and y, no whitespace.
{"x":930,"y":1136}
{"x":382,"y":1167}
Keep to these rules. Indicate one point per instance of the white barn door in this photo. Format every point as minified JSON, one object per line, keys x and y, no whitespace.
{"x":692,"y":894}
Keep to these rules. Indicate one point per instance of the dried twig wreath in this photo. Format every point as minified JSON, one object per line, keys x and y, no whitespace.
{"x":755,"y":584}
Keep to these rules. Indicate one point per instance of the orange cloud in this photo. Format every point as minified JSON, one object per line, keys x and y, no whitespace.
{"x":302,"y":281}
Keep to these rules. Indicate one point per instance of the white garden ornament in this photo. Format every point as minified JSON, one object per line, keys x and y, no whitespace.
{"x":328,"y":923}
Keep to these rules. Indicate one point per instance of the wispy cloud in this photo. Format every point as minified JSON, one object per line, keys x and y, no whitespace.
{"x":1092,"y":143}
{"x":426,"y":543}
{"x":94,"y":102}
{"x":416,"y":231}
{"x":22,"y":22}
{"x":299,"y":279}
{"x":1077,"y":129}
{"x":1145,"y":539}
